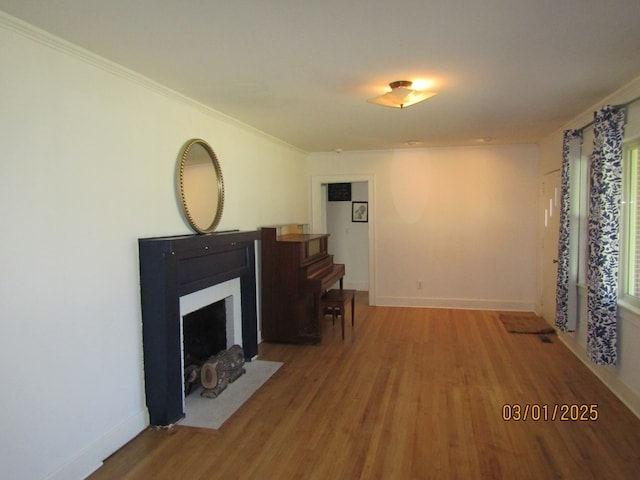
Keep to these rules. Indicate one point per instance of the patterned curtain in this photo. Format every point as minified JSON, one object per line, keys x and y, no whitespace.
{"x":566,"y":301}
{"x":604,"y":244}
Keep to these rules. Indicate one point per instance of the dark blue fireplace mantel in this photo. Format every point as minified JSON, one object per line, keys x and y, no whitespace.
{"x":171,"y":267}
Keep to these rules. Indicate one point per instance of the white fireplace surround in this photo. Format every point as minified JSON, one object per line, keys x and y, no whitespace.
{"x":230,"y":292}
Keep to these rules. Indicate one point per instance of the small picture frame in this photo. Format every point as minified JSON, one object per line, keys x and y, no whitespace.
{"x":359,"y":211}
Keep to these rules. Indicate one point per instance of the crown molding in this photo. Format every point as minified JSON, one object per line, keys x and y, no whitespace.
{"x":54,"y":42}
{"x":623,"y":95}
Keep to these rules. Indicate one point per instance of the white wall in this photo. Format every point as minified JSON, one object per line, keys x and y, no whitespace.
{"x":623,"y":378}
{"x":349,"y":241}
{"x":89,"y":156}
{"x":460,"y":220}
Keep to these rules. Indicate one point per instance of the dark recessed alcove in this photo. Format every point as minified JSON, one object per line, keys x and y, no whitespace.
{"x":204,"y":332}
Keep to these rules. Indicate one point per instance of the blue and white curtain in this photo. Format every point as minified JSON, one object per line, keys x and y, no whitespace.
{"x":566,"y":301}
{"x":603,"y":241}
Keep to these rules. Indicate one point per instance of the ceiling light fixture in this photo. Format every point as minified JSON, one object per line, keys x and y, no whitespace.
{"x":401,"y":95}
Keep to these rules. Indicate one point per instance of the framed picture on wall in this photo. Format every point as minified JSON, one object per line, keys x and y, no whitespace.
{"x":359,"y":211}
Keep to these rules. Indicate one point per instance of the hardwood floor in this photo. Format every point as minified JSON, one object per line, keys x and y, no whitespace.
{"x":411,"y":394}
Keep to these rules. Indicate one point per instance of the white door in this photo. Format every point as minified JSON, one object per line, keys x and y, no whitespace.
{"x":551,"y":184}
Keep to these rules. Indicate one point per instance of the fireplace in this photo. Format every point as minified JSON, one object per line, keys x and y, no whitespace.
{"x":211,"y":323}
{"x":173,"y":272}
{"x":204,"y":333}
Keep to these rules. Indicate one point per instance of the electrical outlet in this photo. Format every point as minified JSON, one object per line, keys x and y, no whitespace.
{"x":419,"y":284}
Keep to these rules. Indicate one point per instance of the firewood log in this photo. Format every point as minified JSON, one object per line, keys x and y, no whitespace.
{"x":209,"y":373}
{"x":191,"y":378}
{"x":220,"y":370}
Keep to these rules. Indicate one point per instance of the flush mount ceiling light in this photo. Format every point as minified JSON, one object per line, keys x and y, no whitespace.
{"x":401,"y":95}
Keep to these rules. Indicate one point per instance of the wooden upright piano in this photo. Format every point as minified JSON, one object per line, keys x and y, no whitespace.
{"x":296,"y":271}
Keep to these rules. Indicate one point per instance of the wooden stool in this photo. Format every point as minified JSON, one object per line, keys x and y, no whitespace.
{"x":336,"y":301}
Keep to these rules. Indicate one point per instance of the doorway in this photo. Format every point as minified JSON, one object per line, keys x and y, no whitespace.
{"x":349,"y":240}
{"x":550,"y":207}
{"x":319,"y":215}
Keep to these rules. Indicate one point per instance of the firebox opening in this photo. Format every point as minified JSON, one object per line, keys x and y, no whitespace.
{"x":205,"y":332}
{"x":204,"y":335}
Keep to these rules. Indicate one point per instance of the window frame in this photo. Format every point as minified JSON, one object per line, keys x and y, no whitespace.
{"x":629,"y":235}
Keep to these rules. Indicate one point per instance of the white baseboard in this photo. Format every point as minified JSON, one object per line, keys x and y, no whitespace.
{"x":456,"y":303}
{"x":613,"y":383}
{"x":90,"y":459}
{"x":360,"y":286}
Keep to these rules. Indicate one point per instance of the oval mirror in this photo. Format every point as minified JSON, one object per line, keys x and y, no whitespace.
{"x":201,"y":186}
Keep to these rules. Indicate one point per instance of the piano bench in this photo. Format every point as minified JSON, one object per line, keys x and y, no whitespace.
{"x":336,"y":300}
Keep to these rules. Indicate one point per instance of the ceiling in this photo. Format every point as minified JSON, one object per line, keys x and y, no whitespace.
{"x":506,"y":71}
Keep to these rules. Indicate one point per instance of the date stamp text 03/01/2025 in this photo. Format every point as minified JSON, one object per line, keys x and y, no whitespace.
{"x":540,"y":412}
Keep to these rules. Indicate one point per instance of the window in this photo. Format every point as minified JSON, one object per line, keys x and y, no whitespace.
{"x":580,"y":198}
{"x":630,"y":261}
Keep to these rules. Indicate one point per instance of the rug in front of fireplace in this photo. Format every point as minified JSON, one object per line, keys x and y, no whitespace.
{"x":213,"y":412}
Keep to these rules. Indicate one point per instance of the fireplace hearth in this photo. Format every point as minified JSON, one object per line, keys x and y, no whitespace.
{"x":173,"y":267}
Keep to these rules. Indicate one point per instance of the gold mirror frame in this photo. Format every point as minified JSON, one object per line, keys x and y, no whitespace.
{"x":200,"y":186}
